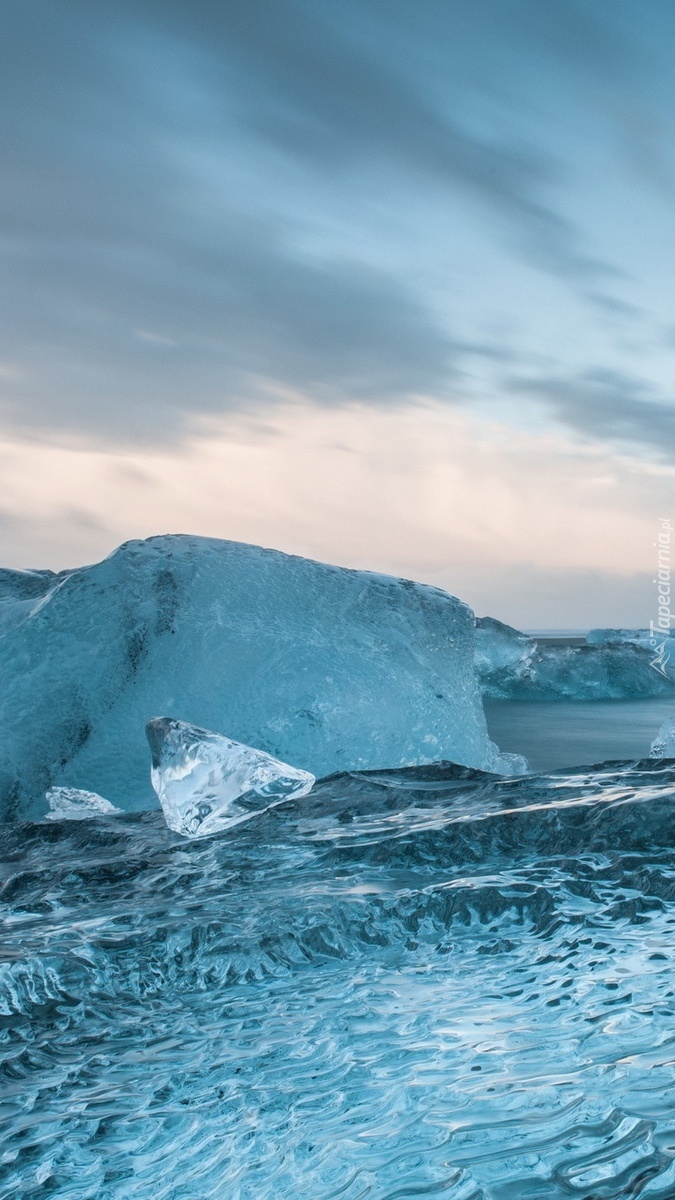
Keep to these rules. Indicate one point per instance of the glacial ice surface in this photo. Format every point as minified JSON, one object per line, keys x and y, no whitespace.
{"x":514,"y":666}
{"x":419,"y":983}
{"x":73,"y":804}
{"x":325,"y":668}
{"x":207,"y":782}
{"x":663,"y":745}
{"x":638,"y":637}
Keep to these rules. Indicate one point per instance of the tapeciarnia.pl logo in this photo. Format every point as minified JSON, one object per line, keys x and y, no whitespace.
{"x":659,"y":630}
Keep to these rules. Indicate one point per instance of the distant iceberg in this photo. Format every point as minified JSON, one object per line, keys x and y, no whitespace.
{"x":73,"y":804}
{"x":637,"y":637}
{"x":326,"y":668}
{"x":611,"y":665}
{"x":663,"y":745}
{"x":207,"y":782}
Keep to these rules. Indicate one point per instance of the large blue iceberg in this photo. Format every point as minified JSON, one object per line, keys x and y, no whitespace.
{"x":325,"y":668}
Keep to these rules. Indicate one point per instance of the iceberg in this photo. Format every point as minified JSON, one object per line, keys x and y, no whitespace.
{"x":73,"y":804}
{"x":515,"y":666}
{"x":21,"y":593}
{"x":637,"y":637}
{"x":658,"y":643}
{"x":663,"y":745}
{"x":501,"y":649}
{"x":614,"y":637}
{"x":326,"y":668}
{"x":207,"y":782}
{"x":513,"y":764}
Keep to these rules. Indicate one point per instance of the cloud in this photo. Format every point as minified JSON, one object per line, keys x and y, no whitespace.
{"x":136,"y":294}
{"x":307,"y":85}
{"x":205,"y":329}
{"x":605,"y":404}
{"x":593,"y":39}
{"x":140,"y":293}
{"x":73,"y":535}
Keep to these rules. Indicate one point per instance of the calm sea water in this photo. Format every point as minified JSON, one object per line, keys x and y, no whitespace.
{"x":564,"y":733}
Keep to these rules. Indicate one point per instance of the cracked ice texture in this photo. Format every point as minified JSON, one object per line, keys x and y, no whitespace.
{"x":326,"y":668}
{"x":207,"y":782}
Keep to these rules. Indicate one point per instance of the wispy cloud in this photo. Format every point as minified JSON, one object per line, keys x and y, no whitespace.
{"x":306,"y":84}
{"x":607,"y":405}
{"x":225,"y":316}
{"x":109,"y":231}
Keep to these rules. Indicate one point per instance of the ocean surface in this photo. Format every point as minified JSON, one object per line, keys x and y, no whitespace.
{"x":420,"y":983}
{"x":561,"y":733}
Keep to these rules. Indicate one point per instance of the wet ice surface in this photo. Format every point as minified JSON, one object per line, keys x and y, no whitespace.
{"x":429,"y":982}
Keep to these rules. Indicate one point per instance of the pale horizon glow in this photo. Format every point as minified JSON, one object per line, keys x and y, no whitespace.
{"x":368,"y":488}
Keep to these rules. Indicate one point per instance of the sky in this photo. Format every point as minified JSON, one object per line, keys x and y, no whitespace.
{"x":387,"y":283}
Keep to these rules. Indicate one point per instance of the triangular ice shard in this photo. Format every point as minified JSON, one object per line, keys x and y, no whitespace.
{"x":72,"y":804}
{"x":207,"y":782}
